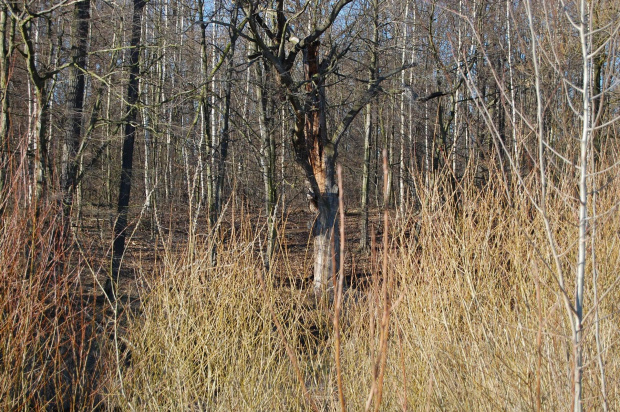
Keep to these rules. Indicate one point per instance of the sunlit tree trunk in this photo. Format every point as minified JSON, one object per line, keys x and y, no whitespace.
{"x":267,"y":154}
{"x":403,"y":116}
{"x":37,"y":131}
{"x":149,"y":171}
{"x":204,"y":103}
{"x":7,"y":35}
{"x":366,"y":178}
{"x":585,"y":38}
{"x":211,"y":165}
{"x":321,"y":156}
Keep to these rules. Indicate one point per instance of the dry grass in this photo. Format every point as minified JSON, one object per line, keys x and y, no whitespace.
{"x":477,"y":321}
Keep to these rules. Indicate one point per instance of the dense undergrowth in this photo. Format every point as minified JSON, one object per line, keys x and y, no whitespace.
{"x":50,"y":357}
{"x":476,"y":320}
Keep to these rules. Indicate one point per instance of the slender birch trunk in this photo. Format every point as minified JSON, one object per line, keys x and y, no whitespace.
{"x":585,"y":37}
{"x":267,"y":155}
{"x":403,"y":117}
{"x":211,"y":172}
{"x":37,"y":130}
{"x":7,"y":36}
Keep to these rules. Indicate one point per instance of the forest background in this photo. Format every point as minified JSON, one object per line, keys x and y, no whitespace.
{"x":288,"y":205}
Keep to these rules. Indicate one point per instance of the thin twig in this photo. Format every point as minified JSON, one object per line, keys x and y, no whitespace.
{"x":385,"y":320}
{"x":339,"y":293}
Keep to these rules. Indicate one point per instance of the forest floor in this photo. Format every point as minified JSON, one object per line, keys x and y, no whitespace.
{"x":147,"y":246}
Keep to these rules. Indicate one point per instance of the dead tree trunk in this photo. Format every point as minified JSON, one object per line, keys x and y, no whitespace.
{"x":321,"y":153}
{"x":315,"y":148}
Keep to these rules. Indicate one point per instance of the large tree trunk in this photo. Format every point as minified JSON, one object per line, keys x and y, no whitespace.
{"x":326,"y":241}
{"x":321,"y":153}
{"x":120,"y":228}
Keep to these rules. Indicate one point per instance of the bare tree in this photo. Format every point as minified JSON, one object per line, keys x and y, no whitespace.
{"x":573,"y":86}
{"x":267,"y":151}
{"x":129,"y":137}
{"x":315,"y":146}
{"x":40,"y":77}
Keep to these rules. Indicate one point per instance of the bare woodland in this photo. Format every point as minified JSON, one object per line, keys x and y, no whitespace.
{"x":309,"y":205}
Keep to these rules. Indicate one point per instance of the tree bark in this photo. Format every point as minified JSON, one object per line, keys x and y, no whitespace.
{"x":368,"y":129}
{"x":7,"y":35}
{"x":129,"y":136}
{"x":366,"y":180}
{"x":321,"y":159}
{"x":75,"y":107}
{"x":37,"y":139}
{"x":267,"y":155}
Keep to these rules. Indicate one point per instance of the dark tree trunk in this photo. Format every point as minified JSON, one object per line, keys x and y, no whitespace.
{"x":372,"y":74}
{"x":75,"y":107}
{"x":129,"y":136}
{"x":222,"y":152}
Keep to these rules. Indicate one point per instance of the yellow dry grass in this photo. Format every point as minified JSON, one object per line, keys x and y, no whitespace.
{"x":477,"y":321}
